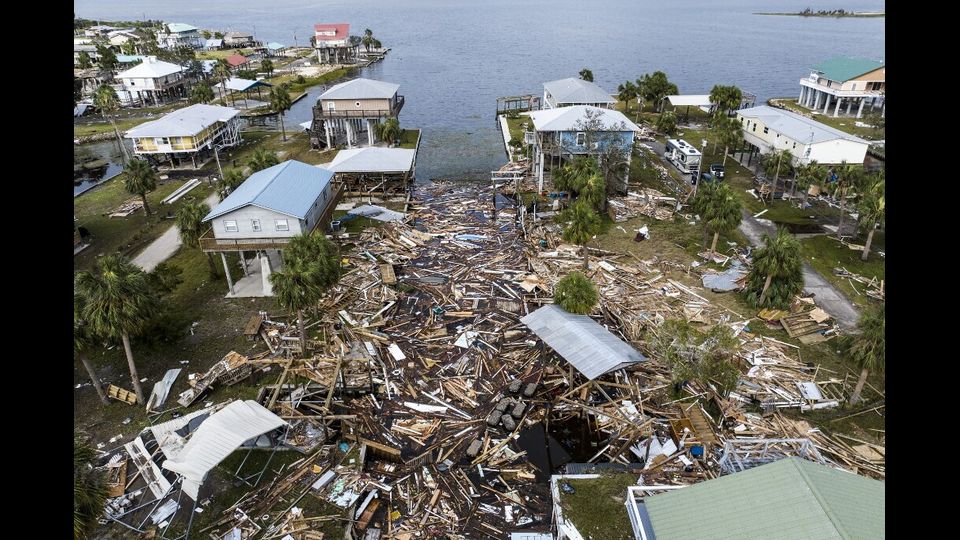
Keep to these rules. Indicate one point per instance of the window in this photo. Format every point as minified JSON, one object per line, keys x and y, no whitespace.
{"x":281,"y":224}
{"x":794,"y":146}
{"x":766,"y":130}
{"x":358,"y":104}
{"x":330,"y":106}
{"x":256,"y":225}
{"x":778,"y":135}
{"x":162,"y":140}
{"x":230,"y":225}
{"x":581,"y":138}
{"x":754,"y":126}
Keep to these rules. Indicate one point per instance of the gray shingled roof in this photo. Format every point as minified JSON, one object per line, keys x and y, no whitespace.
{"x":796,"y":126}
{"x":574,"y":90}
{"x":580,"y":340}
{"x":790,"y":499}
{"x":290,"y":188}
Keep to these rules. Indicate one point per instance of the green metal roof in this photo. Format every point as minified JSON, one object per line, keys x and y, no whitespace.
{"x":791,"y":499}
{"x":842,"y":69}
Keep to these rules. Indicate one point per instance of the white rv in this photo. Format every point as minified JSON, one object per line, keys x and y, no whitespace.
{"x":683,"y":155}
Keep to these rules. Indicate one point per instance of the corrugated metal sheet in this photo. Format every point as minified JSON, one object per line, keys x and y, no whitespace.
{"x":217,"y":438}
{"x":290,"y":188}
{"x":796,"y":126}
{"x":574,"y":90}
{"x":240,"y":85}
{"x":373,"y":159}
{"x":185,"y":122}
{"x":789,"y":499}
{"x":591,"y":348}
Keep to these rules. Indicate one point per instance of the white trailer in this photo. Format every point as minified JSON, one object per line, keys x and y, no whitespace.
{"x":683,"y":155}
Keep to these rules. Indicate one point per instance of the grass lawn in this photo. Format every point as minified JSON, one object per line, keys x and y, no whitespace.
{"x":103,"y":126}
{"x":843,"y":123}
{"x":216,"y":55}
{"x":596,"y":507}
{"x":296,"y":88}
{"x":408,"y":138}
{"x":825,"y":253}
{"x":513,"y":124}
{"x":130,"y":234}
{"x":296,"y":147}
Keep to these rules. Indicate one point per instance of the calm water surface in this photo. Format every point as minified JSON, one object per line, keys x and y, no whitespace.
{"x":453,"y":58}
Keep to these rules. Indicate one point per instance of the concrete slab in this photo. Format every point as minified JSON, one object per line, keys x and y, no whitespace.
{"x":253,"y":285}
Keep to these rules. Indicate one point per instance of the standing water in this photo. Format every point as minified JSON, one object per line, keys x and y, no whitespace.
{"x":453,"y":59}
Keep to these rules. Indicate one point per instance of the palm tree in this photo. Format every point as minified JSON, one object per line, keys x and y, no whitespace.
{"x":376,"y":44}
{"x":847,"y":176}
{"x":139,"y":179}
{"x":105,"y":99}
{"x":872,"y":209}
{"x":232,"y":178}
{"x":582,"y":222}
{"x":201,"y":93}
{"x":594,"y":192}
{"x":310,"y":266}
{"x":388,"y":131}
{"x":89,"y":488}
{"x":779,"y":267}
{"x":117,"y":303}
{"x":575,"y":293}
{"x":262,"y":159}
{"x":367,"y":38}
{"x":83,"y":60}
{"x":221,"y":71}
{"x":279,"y":102}
{"x":189,"y":221}
{"x":626,"y":92}
{"x":82,"y":340}
{"x":573,"y":176}
{"x":869,"y":347}
{"x":729,"y":134}
{"x":807,"y":175}
{"x":267,"y":66}
{"x":721,"y":210}
{"x":586,"y":75}
{"x":774,"y":161}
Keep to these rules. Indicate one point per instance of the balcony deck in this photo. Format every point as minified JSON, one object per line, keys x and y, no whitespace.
{"x":319,"y":112}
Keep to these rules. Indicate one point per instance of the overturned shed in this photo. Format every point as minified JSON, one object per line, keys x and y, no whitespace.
{"x":217,"y":438}
{"x":580,"y":340}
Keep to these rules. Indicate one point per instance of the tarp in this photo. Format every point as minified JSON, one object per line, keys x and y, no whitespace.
{"x":378,"y":213}
{"x":217,"y":438}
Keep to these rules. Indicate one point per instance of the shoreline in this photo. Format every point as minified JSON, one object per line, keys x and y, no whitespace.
{"x":862,"y":14}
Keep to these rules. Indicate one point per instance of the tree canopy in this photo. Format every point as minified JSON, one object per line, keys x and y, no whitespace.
{"x":575,"y":293}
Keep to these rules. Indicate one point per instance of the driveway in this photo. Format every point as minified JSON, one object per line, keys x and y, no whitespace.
{"x":825,"y":294}
{"x":166,"y":245}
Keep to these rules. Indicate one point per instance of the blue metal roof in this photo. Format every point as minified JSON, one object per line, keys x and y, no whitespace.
{"x":274,"y":46}
{"x":290,"y":188}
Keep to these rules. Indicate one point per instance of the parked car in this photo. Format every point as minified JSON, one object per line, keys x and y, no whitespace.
{"x":717,"y":170}
{"x":705,"y":178}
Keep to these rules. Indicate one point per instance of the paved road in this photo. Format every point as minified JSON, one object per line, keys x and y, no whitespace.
{"x":825,"y":294}
{"x":166,"y":245}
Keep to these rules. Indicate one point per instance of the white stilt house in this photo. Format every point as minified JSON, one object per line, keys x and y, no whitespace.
{"x":846,"y":84}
